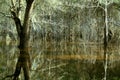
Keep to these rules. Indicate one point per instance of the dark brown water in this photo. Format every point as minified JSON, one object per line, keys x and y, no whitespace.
{"x":63,"y":60}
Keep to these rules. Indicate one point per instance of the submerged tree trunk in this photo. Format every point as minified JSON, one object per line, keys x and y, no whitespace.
{"x":23,"y":33}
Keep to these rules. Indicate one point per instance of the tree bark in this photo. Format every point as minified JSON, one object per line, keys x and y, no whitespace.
{"x":23,"y":33}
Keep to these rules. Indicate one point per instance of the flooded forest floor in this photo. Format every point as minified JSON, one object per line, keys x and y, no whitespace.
{"x":63,"y":60}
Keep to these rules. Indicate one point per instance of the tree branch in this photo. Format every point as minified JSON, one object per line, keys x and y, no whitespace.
{"x":18,"y":69}
{"x":17,"y":23}
{"x":26,"y":26}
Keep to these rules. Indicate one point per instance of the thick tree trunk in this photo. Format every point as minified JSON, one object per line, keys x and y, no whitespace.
{"x":23,"y":33}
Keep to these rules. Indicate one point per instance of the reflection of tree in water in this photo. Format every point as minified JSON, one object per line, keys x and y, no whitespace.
{"x":67,"y":41}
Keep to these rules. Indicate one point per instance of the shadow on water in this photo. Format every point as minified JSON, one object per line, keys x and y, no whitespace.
{"x":63,"y":60}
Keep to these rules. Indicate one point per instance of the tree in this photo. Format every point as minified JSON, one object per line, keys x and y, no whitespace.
{"x":23,"y":31}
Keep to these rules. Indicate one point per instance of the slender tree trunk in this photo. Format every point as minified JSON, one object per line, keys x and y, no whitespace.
{"x":106,"y":41}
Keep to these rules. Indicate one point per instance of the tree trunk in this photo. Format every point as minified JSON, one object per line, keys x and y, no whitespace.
{"x":106,"y":41}
{"x":23,"y":33}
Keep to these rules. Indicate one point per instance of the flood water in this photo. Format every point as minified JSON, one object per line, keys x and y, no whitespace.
{"x":63,"y":60}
